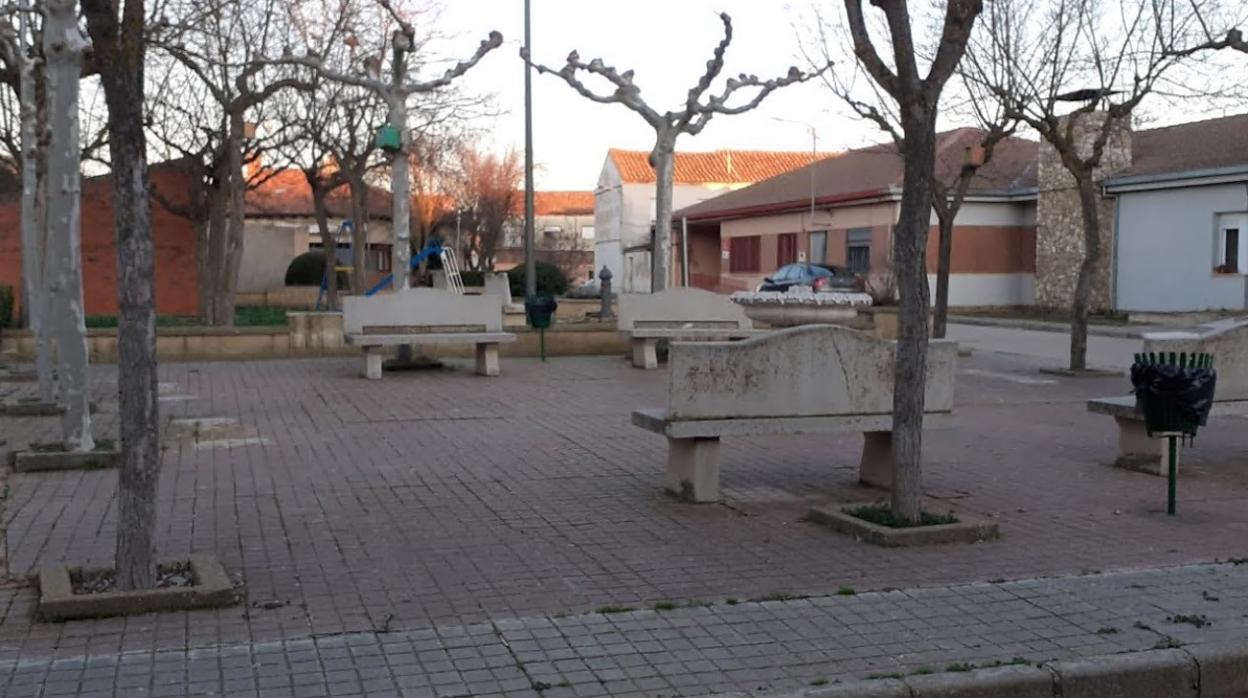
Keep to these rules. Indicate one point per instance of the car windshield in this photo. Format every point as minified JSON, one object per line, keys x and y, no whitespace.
{"x":789,"y":272}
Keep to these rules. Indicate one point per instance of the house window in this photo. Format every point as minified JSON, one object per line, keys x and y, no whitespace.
{"x":587,"y":232}
{"x":551,"y":231}
{"x":819,"y":247}
{"x":743,"y":254}
{"x":1232,"y":252}
{"x":786,"y":249}
{"x":858,"y":250}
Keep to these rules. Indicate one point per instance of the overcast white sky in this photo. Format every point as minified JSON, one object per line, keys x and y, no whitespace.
{"x":667,"y":43}
{"x":571,"y":134}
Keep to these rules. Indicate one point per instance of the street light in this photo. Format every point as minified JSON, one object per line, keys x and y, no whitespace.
{"x":814,"y":155}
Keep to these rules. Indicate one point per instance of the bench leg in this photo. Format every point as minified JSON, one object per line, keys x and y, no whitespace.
{"x":645,"y":354}
{"x":372,"y":363}
{"x":1138,"y":451}
{"x":693,"y":469}
{"x":876,"y":467}
{"x":487,"y":360}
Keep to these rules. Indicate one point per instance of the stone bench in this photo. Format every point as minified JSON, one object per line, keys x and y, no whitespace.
{"x":1227,"y":341}
{"x":424,"y":316}
{"x":812,"y":379}
{"x":678,"y":314}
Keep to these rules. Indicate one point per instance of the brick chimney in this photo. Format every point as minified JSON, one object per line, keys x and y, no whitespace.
{"x":1059,"y":223}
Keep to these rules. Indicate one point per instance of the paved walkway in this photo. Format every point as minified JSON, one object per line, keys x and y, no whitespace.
{"x":430,"y":500}
{"x":1050,"y":348}
{"x":720,"y":645}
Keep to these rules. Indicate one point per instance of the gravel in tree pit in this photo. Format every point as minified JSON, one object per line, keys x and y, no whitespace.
{"x":174,"y":575}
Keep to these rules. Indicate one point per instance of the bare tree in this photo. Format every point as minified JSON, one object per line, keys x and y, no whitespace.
{"x":1037,"y":57}
{"x":950,"y":185}
{"x":117,"y":35}
{"x":313,"y":112}
{"x":62,"y":302}
{"x":396,"y":91}
{"x":669,"y":125}
{"x":225,"y":48}
{"x":23,"y":58}
{"x":487,"y":194}
{"x":917,"y":98}
{"x":117,"y":55}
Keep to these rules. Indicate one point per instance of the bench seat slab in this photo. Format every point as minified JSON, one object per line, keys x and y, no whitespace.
{"x":383,"y":340}
{"x":1136,"y":449}
{"x":644,"y":341}
{"x":693,"y":445}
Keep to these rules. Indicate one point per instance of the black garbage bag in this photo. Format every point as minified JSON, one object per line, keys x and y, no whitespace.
{"x":1173,"y":398}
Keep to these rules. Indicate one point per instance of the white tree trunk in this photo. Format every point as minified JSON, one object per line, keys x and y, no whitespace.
{"x":662,"y":158}
{"x":401,"y":194}
{"x":32,"y":224}
{"x":63,"y":46}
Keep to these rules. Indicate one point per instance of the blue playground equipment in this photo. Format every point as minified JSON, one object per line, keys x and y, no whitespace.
{"x":449,"y":264}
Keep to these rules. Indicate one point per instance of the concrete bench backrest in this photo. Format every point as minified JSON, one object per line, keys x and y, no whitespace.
{"x":421,"y":307}
{"x":813,"y":370}
{"x":1227,"y":340}
{"x":498,"y":285}
{"x":678,"y":307}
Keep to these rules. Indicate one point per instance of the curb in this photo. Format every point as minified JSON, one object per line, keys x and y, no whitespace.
{"x":1213,"y":670}
{"x":1124,"y":332}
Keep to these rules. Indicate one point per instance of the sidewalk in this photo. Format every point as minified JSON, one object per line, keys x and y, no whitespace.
{"x":1128,"y":331}
{"x":721,"y":645}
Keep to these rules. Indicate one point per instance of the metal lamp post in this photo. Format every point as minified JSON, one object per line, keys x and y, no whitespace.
{"x":530,"y":261}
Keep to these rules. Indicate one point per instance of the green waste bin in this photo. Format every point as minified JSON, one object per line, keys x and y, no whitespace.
{"x":540,"y":311}
{"x":1175,"y":393}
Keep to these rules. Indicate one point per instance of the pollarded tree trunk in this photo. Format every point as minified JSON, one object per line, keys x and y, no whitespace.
{"x":359,"y":230}
{"x":662,"y":159}
{"x":1090,"y":209}
{"x":944,"y":258}
{"x":63,"y":46}
{"x":909,"y":259}
{"x":118,"y":43}
{"x":33,"y":113}
{"x":232,"y":257}
{"x":401,"y":188}
{"x":212,"y":252}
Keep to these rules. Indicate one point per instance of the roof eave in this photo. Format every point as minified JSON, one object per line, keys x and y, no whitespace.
{"x":789,"y":206}
{"x":1173,"y":180}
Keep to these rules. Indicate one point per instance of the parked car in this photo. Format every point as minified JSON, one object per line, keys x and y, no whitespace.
{"x":820,"y":277}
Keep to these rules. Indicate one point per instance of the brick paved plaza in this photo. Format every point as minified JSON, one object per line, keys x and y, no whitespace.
{"x":437,"y":533}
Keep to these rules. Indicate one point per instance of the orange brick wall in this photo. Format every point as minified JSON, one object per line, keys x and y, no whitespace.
{"x":176,"y":268}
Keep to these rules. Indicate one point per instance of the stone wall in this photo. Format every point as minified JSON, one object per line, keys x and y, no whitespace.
{"x":1059,"y":223}
{"x":174,"y":242}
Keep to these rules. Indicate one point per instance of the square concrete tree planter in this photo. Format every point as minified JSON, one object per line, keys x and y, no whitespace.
{"x":966,"y":529}
{"x":210,"y":588}
{"x":34,"y":407}
{"x":30,"y":407}
{"x":50,"y":457}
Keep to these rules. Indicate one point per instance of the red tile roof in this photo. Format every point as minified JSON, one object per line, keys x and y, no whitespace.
{"x":871,"y":172}
{"x":560,"y":203}
{"x":286,"y":193}
{"x":717,"y":167}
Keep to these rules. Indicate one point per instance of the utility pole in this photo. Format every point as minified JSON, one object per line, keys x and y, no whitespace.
{"x":530,"y":260}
